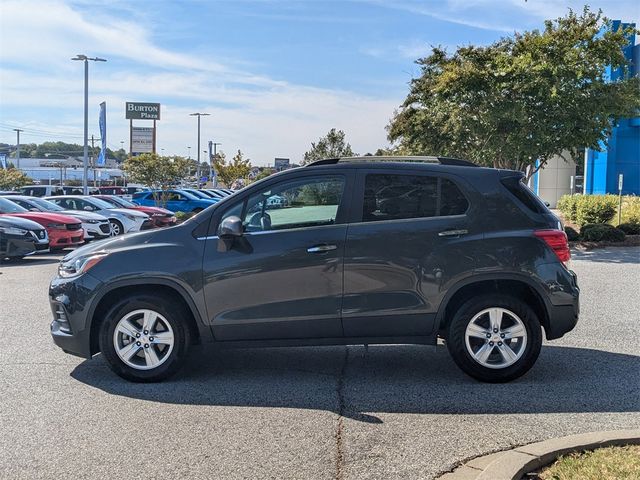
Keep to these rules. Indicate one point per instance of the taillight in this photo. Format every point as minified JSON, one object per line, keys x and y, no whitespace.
{"x":557,"y":240}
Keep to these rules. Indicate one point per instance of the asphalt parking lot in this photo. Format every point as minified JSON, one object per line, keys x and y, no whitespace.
{"x":312,"y":413}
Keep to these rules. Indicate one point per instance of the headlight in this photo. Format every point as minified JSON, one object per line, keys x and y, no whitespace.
{"x":130,"y":217}
{"x":57,"y":226}
{"x":13,"y":231}
{"x":93,"y":221}
{"x":158,"y":214}
{"x":80,"y":265}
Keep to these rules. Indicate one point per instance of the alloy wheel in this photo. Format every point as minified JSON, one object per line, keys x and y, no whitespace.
{"x":496,"y":338}
{"x":143,"y":339}
{"x":114,"y":229}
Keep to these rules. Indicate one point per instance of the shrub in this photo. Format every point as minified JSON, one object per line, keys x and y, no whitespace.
{"x":182,"y":216}
{"x":572,"y":235}
{"x":567,"y":204}
{"x":595,"y":209}
{"x":630,"y":209}
{"x":630,"y":228}
{"x":601,"y":232}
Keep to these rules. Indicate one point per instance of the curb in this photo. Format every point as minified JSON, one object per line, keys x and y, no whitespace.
{"x":513,"y":464}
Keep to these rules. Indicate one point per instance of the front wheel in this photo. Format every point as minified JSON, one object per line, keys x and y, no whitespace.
{"x":144,"y":338}
{"x":494,"y":338}
{"x":115,"y":228}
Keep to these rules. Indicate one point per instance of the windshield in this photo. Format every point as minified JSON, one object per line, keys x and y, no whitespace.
{"x":46,"y":204}
{"x":118,"y":202}
{"x":7,"y":206}
{"x":101,"y":204}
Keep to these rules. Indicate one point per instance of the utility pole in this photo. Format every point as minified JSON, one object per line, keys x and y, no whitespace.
{"x":198,"y":115}
{"x":85,"y":161}
{"x":93,"y":161}
{"x":17,"y":130}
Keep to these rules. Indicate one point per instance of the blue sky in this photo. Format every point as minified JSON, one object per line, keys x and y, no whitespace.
{"x":275,"y":75}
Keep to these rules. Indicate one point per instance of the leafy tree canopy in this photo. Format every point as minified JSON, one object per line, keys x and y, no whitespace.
{"x":526,"y":97}
{"x":332,"y":145}
{"x":157,"y":172}
{"x":236,"y":169}
{"x":12,"y":178}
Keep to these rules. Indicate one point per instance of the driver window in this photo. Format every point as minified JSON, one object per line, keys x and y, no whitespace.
{"x":307,"y":202}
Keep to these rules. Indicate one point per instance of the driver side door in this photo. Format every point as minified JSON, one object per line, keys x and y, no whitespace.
{"x":283,"y":278}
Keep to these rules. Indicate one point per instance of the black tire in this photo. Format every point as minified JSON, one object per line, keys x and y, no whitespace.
{"x":457,"y":347}
{"x":115,"y":224}
{"x":175,"y":316}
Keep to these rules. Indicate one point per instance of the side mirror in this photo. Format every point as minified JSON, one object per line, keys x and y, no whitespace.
{"x":88,"y":208}
{"x":229,"y":230}
{"x":230,"y":227}
{"x":33,"y":209}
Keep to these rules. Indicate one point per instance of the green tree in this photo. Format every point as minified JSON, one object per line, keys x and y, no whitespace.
{"x":524,"y":98}
{"x":238,"y":168}
{"x":332,"y":145}
{"x":157,"y":172}
{"x":12,"y":178}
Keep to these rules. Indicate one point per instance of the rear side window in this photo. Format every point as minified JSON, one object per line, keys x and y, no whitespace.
{"x":518,"y":188}
{"x":394,"y":197}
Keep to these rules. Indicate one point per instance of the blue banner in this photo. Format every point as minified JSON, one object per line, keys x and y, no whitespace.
{"x":3,"y":161}
{"x":103,"y":134}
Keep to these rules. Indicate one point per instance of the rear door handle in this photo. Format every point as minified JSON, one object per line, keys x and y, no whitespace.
{"x":321,"y":248}
{"x":452,"y":233}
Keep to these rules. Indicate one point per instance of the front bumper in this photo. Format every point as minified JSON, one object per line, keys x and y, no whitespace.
{"x":65,"y":238}
{"x":96,"y":231}
{"x":71,"y":301}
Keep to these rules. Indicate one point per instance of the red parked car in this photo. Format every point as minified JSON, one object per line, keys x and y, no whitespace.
{"x":63,"y":231}
{"x":161,"y":217}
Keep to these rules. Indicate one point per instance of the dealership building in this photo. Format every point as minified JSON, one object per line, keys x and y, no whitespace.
{"x":602,"y":168}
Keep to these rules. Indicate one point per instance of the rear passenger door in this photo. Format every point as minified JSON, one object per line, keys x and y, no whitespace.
{"x":405,"y":244}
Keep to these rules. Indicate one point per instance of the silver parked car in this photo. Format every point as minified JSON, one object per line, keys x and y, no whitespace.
{"x":121,"y":220}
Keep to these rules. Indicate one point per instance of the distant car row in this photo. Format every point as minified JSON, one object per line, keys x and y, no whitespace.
{"x":30,"y":224}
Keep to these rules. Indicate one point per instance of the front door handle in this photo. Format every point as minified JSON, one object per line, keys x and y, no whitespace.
{"x":452,"y":233}
{"x":321,"y":248}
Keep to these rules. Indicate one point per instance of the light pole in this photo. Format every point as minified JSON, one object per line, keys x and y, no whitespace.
{"x":17,"y":130}
{"x":212,"y":172}
{"x":198,"y":115}
{"x":85,"y":160}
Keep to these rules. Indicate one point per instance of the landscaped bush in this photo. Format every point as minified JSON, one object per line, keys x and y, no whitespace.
{"x":572,"y":235}
{"x":601,"y":232}
{"x":630,"y":209}
{"x":567,"y":204}
{"x":630,"y":228}
{"x":583,"y":209}
{"x":182,"y":216}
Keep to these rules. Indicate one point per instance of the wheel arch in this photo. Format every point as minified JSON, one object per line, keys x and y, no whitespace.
{"x":156,"y":286}
{"x":512,"y":285}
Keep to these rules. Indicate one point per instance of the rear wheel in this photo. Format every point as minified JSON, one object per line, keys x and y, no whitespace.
{"x":494,"y":338}
{"x":145,"y":338}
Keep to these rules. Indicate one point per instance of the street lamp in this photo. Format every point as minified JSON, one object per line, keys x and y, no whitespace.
{"x":198,"y":115}
{"x":85,"y":160}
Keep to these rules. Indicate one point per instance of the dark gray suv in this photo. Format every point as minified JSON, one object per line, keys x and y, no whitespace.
{"x":358,"y":251}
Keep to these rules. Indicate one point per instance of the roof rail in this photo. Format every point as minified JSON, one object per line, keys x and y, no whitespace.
{"x":407,"y":159}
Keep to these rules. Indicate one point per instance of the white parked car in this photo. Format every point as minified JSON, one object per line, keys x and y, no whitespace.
{"x":121,"y":220}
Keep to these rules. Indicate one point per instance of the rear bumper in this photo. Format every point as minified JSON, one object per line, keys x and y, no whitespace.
{"x":563,"y":318}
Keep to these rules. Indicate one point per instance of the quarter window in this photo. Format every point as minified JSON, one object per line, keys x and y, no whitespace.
{"x":393,"y":197}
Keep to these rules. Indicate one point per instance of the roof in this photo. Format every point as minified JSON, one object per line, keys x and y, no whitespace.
{"x":394,"y":159}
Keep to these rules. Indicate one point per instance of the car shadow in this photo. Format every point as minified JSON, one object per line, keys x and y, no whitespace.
{"x":36,"y":259}
{"x":608,"y":255}
{"x":394,"y":379}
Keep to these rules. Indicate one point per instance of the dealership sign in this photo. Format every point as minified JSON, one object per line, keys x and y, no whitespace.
{"x":142,"y":139}
{"x":142,"y":111}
